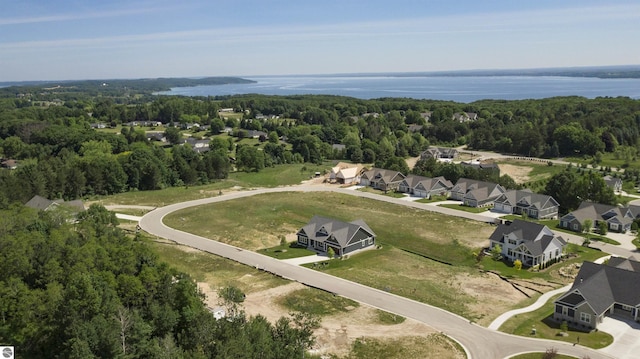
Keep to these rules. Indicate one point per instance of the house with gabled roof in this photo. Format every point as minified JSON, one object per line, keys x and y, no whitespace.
{"x":345,"y":173}
{"x":43,"y":204}
{"x":534,"y":205}
{"x":378,"y":178}
{"x":439,"y":153}
{"x":322,"y":233}
{"x":600,"y":290}
{"x":614,"y":182}
{"x":531,"y":243}
{"x":425,"y":187}
{"x":618,"y":219}
{"x":475,"y":193}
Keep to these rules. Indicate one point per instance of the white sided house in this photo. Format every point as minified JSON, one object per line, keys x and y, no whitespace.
{"x":322,"y":233}
{"x":532,"y":243}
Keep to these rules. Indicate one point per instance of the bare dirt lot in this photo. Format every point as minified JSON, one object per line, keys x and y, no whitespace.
{"x":520,"y":174}
{"x":336,"y":333}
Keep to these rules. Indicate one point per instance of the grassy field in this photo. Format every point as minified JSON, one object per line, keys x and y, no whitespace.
{"x":280,"y":175}
{"x":316,"y":302}
{"x":546,"y":328}
{"x":277,"y":214}
{"x":433,"y":346}
{"x":388,"y":318}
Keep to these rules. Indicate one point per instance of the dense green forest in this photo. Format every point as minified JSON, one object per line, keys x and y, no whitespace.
{"x":86,"y":290}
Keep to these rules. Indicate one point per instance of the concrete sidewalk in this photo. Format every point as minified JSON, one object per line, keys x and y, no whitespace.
{"x":495,"y":325}
{"x":306,"y":260}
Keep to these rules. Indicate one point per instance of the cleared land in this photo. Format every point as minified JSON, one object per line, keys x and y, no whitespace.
{"x":415,"y":247}
{"x":348,"y":331}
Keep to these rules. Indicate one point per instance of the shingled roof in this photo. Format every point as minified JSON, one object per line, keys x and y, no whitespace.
{"x":322,"y":228}
{"x":602,"y":285}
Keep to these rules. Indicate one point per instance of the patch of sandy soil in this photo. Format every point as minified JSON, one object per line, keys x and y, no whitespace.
{"x":336,"y":333}
{"x":520,"y":174}
{"x":411,"y":161}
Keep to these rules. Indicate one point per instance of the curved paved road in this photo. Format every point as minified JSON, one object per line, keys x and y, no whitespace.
{"x":479,"y":342}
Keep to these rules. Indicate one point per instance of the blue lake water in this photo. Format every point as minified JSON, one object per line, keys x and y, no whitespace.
{"x":458,"y":88}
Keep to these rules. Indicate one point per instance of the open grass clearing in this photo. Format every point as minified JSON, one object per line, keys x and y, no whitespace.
{"x":546,"y":328}
{"x":432,"y":346}
{"x":276,"y":214}
{"x":316,"y":302}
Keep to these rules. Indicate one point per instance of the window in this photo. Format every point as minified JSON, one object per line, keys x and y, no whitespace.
{"x":585,"y":317}
{"x":557,"y":252}
{"x":559,"y":309}
{"x":614,"y":226}
{"x":303,"y":240}
{"x":513,"y":241}
{"x":370,"y":240}
{"x":575,"y":226}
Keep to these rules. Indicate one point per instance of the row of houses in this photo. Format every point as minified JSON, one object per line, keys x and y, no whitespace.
{"x":617,"y":219}
{"x":472,"y":193}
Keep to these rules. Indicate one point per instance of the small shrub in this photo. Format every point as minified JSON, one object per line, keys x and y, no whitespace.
{"x":517,"y":264}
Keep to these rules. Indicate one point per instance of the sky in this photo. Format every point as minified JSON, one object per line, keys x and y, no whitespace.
{"x":109,"y":39}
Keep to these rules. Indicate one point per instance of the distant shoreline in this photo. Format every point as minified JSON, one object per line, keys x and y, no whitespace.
{"x":605,"y":72}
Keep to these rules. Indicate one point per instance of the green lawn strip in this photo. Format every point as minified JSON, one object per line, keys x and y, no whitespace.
{"x":316,"y":302}
{"x":276,"y":214}
{"x":461,"y":207}
{"x":546,"y":328}
{"x":214,"y":270}
{"x":636,"y":242}
{"x":387,"y":318}
{"x":432,"y":199}
{"x":392,"y":194}
{"x":289,"y":250}
{"x":432,"y":346}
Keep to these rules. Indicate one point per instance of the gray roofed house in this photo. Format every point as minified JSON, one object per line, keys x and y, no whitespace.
{"x":322,"y":233}
{"x":475,"y":193}
{"x":618,"y":219}
{"x":532,"y":243}
{"x":381,"y":179}
{"x":43,"y":204}
{"x":439,"y":153}
{"x":534,"y":205}
{"x":600,"y":290}
{"x":425,"y":187}
{"x":614,"y":182}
